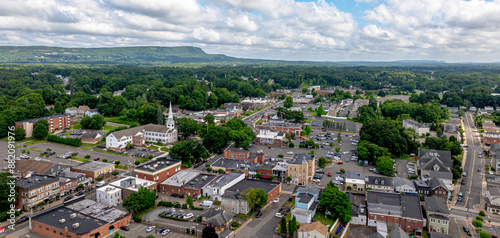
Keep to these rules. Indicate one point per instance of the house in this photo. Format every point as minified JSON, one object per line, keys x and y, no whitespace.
{"x":358,"y":208}
{"x":422,"y":187}
{"x":233,"y":106}
{"x":491,"y":138}
{"x":306,"y":203}
{"x":380,"y":184}
{"x":395,"y":209}
{"x":80,"y":177}
{"x":397,"y":232}
{"x":137,"y":136}
{"x":402,"y":185}
{"x":434,"y":186}
{"x":55,"y":122}
{"x":472,"y":109}
{"x":355,"y":181}
{"x":301,"y":168}
{"x":437,"y":214}
{"x":240,"y":154}
{"x":94,"y":169}
{"x":419,"y":128}
{"x":490,"y":126}
{"x":280,"y":170}
{"x":283,"y":127}
{"x":119,"y":92}
{"x":434,"y":160}
{"x":315,"y":229}
{"x":270,"y":138}
{"x":35,"y":189}
{"x":493,"y":198}
{"x":91,"y":112}
{"x":446,"y":177}
{"x":450,"y":130}
{"x":80,"y":112}
{"x":71,"y":111}
{"x":219,"y":218}
{"x":218,"y":186}
{"x":492,"y":178}
{"x":159,"y":169}
{"x":109,"y":195}
{"x":129,"y":185}
{"x":495,"y":157}
{"x":91,"y":137}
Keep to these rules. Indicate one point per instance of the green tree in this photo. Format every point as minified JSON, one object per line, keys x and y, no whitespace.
{"x":308,"y":130}
{"x":292,"y":226}
{"x":385,"y":165}
{"x":117,"y":162}
{"x":336,"y":202}
{"x":322,"y":162}
{"x":40,"y":129}
{"x":288,"y":179}
{"x":19,"y":134}
{"x":190,"y":201}
{"x":114,"y":173}
{"x":484,"y":234}
{"x":283,"y":226}
{"x":80,"y":186}
{"x":304,"y":90}
{"x":216,"y":139}
{"x":209,"y":118}
{"x":87,"y":157}
{"x":320,"y":111}
{"x":140,"y":200}
{"x":118,"y":235}
{"x":187,"y":126}
{"x":257,"y":198}
{"x":221,"y":171}
{"x":189,"y":151}
{"x":339,"y":137}
{"x":95,"y":122}
{"x":369,"y":151}
{"x":385,"y":134}
{"x":98,"y":178}
{"x":288,"y":102}
{"x":482,"y":213}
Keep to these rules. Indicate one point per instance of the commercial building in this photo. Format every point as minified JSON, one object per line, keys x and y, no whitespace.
{"x":270,"y":138}
{"x":284,"y":127}
{"x":358,"y":209}
{"x":36,"y":189}
{"x":450,"y":130}
{"x":137,"y":136}
{"x":355,"y":181}
{"x":301,"y":169}
{"x":94,"y":169}
{"x":159,"y":169}
{"x":109,"y":195}
{"x":241,"y":154}
{"x":25,"y":168}
{"x":490,"y":138}
{"x":174,"y":184}
{"x":67,"y":185}
{"x":244,"y":166}
{"x":419,"y":128}
{"x":437,"y":213}
{"x":55,"y":122}
{"x":219,"y":185}
{"x":380,"y":184}
{"x":493,"y":198}
{"x":128,"y":185}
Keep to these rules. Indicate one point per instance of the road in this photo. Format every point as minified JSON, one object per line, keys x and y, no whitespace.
{"x":250,"y":120}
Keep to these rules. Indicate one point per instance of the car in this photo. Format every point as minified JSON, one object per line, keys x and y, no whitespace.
{"x":259,"y":214}
{"x":459,"y":199}
{"x":339,"y":172}
{"x":466,"y":230}
{"x":340,"y":162}
{"x":125,"y":228}
{"x":187,"y":216}
{"x":165,"y":232}
{"x":329,"y":174}
{"x":493,"y":235}
{"x":174,"y":195}
{"x":68,"y":198}
{"x":96,"y":159}
{"x":276,"y":200}
{"x":181,"y":195}
{"x":79,"y":194}
{"x":100,"y":184}
{"x":279,"y":215}
{"x":478,"y":170}
{"x":464,"y":174}
{"x":347,"y":160}
{"x":22,"y":219}
{"x":290,"y":152}
{"x":462,"y":182}
{"x":160,"y":230}
{"x":150,"y":229}
{"x":38,"y":159}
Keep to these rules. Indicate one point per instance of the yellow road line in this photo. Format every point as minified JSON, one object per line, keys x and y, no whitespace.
{"x":458,"y":228}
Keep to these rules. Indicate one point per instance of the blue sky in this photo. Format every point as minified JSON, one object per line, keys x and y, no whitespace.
{"x":321,"y":30}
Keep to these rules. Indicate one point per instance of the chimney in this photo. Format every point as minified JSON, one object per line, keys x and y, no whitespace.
{"x":376,"y":199}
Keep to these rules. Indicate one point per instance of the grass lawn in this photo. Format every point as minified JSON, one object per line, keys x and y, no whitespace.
{"x":76,"y":126}
{"x":80,"y":159}
{"x":289,"y":204}
{"x":117,"y":120}
{"x":319,"y":216}
{"x":244,"y":216}
{"x":119,"y":166}
{"x":109,"y":128}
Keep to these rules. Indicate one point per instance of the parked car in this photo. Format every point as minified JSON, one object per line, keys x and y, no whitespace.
{"x":259,"y":214}
{"x":279,"y":215}
{"x":125,"y":228}
{"x":79,"y":194}
{"x":340,"y":162}
{"x":22,"y":219}
{"x":466,"y":230}
{"x":462,"y":182}
{"x":187,"y":216}
{"x":165,"y":232}
{"x":150,"y":229}
{"x":100,"y":184}
{"x":96,"y":159}
{"x":276,"y":200}
{"x":68,"y":198}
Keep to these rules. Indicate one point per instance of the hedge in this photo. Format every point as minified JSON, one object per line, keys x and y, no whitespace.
{"x":174,"y":218}
{"x":66,"y":141}
{"x":197,"y":208}
{"x":165,"y":204}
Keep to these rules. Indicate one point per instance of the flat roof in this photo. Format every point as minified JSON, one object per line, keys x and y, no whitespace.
{"x":108,"y":189}
{"x":138,"y":181}
{"x":36,"y":181}
{"x":97,"y":210}
{"x":93,"y":166}
{"x":200,"y":181}
{"x":180,"y":178}
{"x":225,"y":179}
{"x":54,"y":217}
{"x":158,"y":164}
{"x":250,"y":183}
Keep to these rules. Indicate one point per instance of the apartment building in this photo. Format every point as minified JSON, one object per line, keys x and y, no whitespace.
{"x":35,"y":189}
{"x":301,"y":169}
{"x":55,"y":122}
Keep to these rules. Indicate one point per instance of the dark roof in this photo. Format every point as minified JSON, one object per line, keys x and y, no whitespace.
{"x":250,"y":183}
{"x":36,"y":181}
{"x":441,"y":174}
{"x":450,"y":128}
{"x":311,"y":189}
{"x":300,"y":158}
{"x":85,"y":223}
{"x":357,"y":202}
{"x":428,"y":158}
{"x":407,"y":206}
{"x":387,"y":181}
{"x":160,"y":163}
{"x":42,"y":118}
{"x":355,"y":175}
{"x":436,"y":182}
{"x":439,"y":235}
{"x":235,"y":149}
{"x":421,"y":184}
{"x":233,"y":195}
{"x":411,"y":206}
{"x":314,"y":205}
{"x":437,"y":216}
{"x":39,"y":167}
{"x":217,"y":216}
{"x":436,"y":204}
{"x":304,"y":198}
{"x":397,"y":232}
{"x":199,"y":181}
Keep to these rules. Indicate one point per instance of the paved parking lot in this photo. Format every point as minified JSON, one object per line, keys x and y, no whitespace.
{"x":138,"y":229}
{"x":143,"y":152}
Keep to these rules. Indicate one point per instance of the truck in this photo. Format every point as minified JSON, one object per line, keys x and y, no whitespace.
{"x":206,"y":203}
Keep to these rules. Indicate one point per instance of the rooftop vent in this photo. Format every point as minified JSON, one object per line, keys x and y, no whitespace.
{"x":62,"y":221}
{"x":76,"y":225}
{"x":73,"y":215}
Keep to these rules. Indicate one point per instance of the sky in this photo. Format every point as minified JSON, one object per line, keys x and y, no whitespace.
{"x":319,"y":30}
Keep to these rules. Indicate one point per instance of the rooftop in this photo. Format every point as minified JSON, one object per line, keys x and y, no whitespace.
{"x":235,"y":164}
{"x":355,"y":175}
{"x":387,"y":181}
{"x":394,"y":204}
{"x":437,"y":160}
{"x":93,"y":166}
{"x":412,"y":122}
{"x":43,"y":118}
{"x":96,"y":210}
{"x":181,"y":178}
{"x":76,"y":222}
{"x":39,"y":167}
{"x":317,"y":225}
{"x":436,"y":204}
{"x":200,"y":181}
{"x":36,"y":181}
{"x":304,"y":198}
{"x":149,"y":128}
{"x":301,"y":159}
{"x":109,"y":189}
{"x":223,"y":180}
{"x":132,"y":183}
{"x":397,"y":181}
{"x":250,"y":183}
{"x":91,"y":135}
{"x":158,"y":164}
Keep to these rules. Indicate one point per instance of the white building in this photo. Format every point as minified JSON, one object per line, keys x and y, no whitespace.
{"x":109,"y":196}
{"x":71,"y":111}
{"x":402,"y":185}
{"x":165,"y":134}
{"x":419,"y":128}
{"x":91,"y":112}
{"x":218,"y":187}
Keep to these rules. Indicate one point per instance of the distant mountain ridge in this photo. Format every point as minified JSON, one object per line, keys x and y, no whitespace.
{"x":158,"y":56}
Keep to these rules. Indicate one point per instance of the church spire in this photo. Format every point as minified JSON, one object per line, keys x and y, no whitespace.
{"x":170,"y":119}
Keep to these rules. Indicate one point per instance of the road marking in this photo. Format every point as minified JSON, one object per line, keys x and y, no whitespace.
{"x":90,"y":195}
{"x":458,"y":228}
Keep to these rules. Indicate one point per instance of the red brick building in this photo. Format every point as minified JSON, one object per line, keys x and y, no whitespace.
{"x":186,"y":182}
{"x":67,"y":185}
{"x":286,"y":128}
{"x":94,"y":169}
{"x":157,"y":170}
{"x":395,"y":209}
{"x":56,"y":123}
{"x":36,"y":189}
{"x":241,"y":154}
{"x":491,"y":138}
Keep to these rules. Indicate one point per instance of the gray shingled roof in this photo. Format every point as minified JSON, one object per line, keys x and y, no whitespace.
{"x":429,"y":157}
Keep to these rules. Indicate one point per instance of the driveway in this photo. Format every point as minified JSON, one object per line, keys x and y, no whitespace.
{"x":153,"y":218}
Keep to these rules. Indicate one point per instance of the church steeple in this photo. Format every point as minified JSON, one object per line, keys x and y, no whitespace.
{"x":170,"y":119}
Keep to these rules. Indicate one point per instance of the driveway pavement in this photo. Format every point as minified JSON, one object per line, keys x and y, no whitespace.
{"x":153,"y":218}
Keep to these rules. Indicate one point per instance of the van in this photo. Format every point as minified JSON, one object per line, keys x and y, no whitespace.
{"x":464,"y":174}
{"x":100,"y":184}
{"x":206,"y":203}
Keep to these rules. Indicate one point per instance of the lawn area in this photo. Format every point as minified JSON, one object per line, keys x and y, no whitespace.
{"x":76,"y":126}
{"x":109,"y":128}
{"x":119,"y":166}
{"x":319,"y":216}
{"x":80,"y":159}
{"x":244,"y":216}
{"x":118,"y":121}
{"x":290,"y":203}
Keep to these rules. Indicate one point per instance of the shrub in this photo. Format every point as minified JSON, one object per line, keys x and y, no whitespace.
{"x":188,"y":230}
{"x":66,"y":141}
{"x":137,"y":218}
{"x":197,"y":208}
{"x":477,"y":223}
{"x":184,"y":206}
{"x":349,"y":187}
{"x":413,"y":177}
{"x":484,"y":234}
{"x":291,"y":145}
{"x":280,"y":155}
{"x":235,"y":224}
{"x":117,"y":162}
{"x":342,"y":170}
{"x":177,"y":205}
{"x":198,"y":219}
{"x":481,"y":213}
{"x":193,"y":231}
{"x":165,"y":204}
{"x":480,"y":218}
{"x":105,"y":160}
{"x":137,"y":162}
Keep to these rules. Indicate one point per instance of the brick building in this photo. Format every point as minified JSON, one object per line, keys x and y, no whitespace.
{"x":302,"y":168}
{"x":233,"y":200}
{"x":36,"y":189}
{"x":67,"y":185}
{"x":129,"y":185}
{"x":94,"y":169}
{"x":491,"y":138}
{"x":189,"y":183}
{"x":284,"y":127}
{"x":396,"y":210}
{"x":56,"y":123}
{"x":241,"y":154}
{"x":244,"y":166}
{"x":270,"y":138}
{"x":159,"y":169}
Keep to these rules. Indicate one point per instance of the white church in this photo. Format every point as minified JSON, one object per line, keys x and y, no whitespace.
{"x":137,"y":136}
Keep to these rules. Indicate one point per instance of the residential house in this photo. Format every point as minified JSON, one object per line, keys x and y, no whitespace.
{"x":402,"y":185}
{"x":434,"y":160}
{"x":55,"y":122}
{"x":419,"y":128}
{"x":301,"y":168}
{"x":233,"y":106}
{"x":380,"y":184}
{"x":109,"y":195}
{"x":315,"y":229}
{"x":159,"y":169}
{"x":71,"y":111}
{"x":129,"y":185}
{"x":437,"y":214}
{"x":306,"y":203}
{"x":218,"y":186}
{"x":241,"y":154}
{"x":395,"y":209}
{"x":490,"y":126}
{"x":446,"y":177}
{"x":36,"y":189}
{"x":91,"y":137}
{"x":358,"y":209}
{"x":219,"y":218}
{"x":450,"y":130}
{"x":439,"y":235}
{"x":244,"y":166}
{"x":493,"y":179}
{"x":438,"y":187}
{"x":355,"y":181}
{"x":280,"y":171}
{"x":91,"y":112}
{"x":493,"y":198}
{"x":397,"y":232}
{"x":94,"y":169}
{"x":80,"y":112}
{"x":422,"y":187}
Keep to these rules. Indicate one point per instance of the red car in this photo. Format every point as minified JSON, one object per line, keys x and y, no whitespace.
{"x":340,"y":162}
{"x":329,"y":174}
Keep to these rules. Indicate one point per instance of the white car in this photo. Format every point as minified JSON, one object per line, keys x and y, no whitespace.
{"x":38,"y":159}
{"x":165,"y":232}
{"x":276,"y":200}
{"x":290,"y":152}
{"x":187,"y":216}
{"x":150,"y":229}
{"x":279,"y":215}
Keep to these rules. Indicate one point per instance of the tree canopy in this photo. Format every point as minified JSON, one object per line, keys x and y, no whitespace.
{"x":257,"y":198}
{"x":336,"y":202}
{"x":140,"y":200}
